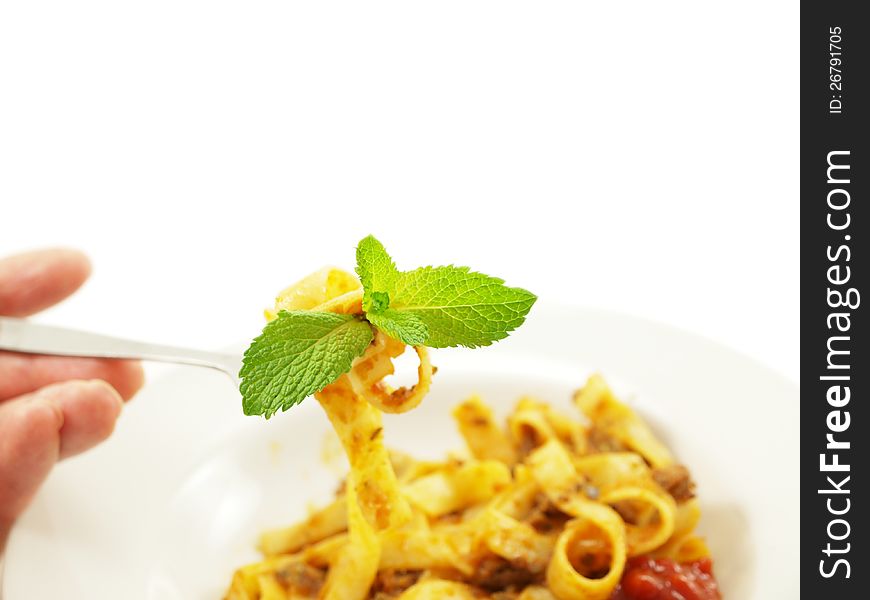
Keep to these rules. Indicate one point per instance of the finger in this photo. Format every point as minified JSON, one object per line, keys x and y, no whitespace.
{"x":90,"y":409}
{"x":29,"y":447}
{"x":36,"y":280}
{"x":23,"y":373}
{"x":38,"y":429}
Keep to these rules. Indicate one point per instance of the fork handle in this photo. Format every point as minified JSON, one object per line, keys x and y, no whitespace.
{"x":19,"y":335}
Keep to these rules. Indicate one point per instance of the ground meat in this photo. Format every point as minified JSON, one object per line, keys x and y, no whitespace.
{"x":451,"y":518}
{"x":601,"y":441}
{"x":392,"y":582}
{"x":676,"y":481}
{"x":301,"y":579}
{"x":544,"y":516}
{"x":495,"y":574}
{"x":630,"y":511}
{"x":527,"y":440}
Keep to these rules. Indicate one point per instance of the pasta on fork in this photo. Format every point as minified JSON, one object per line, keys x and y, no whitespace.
{"x":546,"y":506}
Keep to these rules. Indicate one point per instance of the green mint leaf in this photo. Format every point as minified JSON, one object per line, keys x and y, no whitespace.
{"x":376,"y":271}
{"x":404,"y":326}
{"x":460,"y":307}
{"x":380,"y":301}
{"x":298,"y":354}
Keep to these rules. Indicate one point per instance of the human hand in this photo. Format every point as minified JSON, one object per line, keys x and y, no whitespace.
{"x":51,"y":408}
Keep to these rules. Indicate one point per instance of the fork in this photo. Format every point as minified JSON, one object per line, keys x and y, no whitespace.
{"x":19,"y":335}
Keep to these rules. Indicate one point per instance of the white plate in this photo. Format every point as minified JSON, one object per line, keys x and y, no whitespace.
{"x":173,"y":503}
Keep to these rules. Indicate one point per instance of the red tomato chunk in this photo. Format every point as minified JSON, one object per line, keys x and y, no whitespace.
{"x":663,"y":579}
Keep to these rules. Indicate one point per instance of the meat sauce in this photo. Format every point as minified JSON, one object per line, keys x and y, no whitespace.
{"x":663,"y":579}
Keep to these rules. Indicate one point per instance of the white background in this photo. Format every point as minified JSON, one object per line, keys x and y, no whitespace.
{"x":641,"y":157}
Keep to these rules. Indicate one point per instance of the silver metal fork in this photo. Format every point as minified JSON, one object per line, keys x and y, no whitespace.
{"x":18,"y":335}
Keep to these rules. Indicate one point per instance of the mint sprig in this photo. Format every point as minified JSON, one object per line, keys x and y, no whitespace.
{"x":406,"y":327}
{"x":376,"y":272}
{"x":298,"y":354}
{"x":438,"y":306}
{"x":301,"y":352}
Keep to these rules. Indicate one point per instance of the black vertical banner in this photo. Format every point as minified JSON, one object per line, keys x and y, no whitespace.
{"x":835,"y":374}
